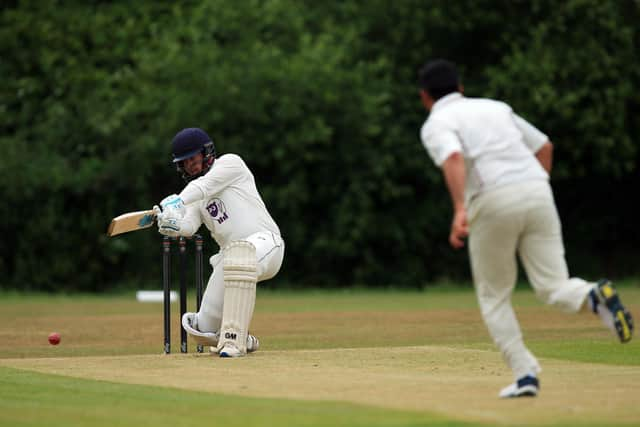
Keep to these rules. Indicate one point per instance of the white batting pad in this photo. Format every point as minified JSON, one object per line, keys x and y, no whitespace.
{"x":204,"y":338}
{"x":240,"y":277}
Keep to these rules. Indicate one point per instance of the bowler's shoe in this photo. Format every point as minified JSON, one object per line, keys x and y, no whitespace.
{"x":605,"y":294}
{"x":526,"y":386}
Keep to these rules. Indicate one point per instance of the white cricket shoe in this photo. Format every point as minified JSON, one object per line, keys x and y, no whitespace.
{"x":253,"y":344}
{"x":230,"y":350}
{"x":527,"y":386}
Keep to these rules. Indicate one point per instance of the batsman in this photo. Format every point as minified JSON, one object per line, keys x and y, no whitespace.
{"x":221,"y":193}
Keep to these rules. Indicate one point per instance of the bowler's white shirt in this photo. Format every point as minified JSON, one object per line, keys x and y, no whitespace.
{"x":498,"y":146}
{"x":227,"y":201}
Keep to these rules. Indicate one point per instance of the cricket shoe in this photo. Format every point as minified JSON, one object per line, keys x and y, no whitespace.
{"x":230,"y":350}
{"x":605,"y":294}
{"x":253,"y":344}
{"x":526,"y":386}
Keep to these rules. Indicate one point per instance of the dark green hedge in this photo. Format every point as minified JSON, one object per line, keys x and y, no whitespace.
{"x":320,"y":99}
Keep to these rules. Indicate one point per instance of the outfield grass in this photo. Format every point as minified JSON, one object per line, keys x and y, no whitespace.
{"x":357,"y":357}
{"x":32,"y":399}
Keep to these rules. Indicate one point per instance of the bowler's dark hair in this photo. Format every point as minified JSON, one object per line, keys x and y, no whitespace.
{"x":439,"y":77}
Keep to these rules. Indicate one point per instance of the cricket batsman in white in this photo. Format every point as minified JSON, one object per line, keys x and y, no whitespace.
{"x":221,"y":194}
{"x":496,"y":166}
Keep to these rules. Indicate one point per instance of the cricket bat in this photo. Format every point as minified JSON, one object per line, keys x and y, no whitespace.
{"x":131,"y":221}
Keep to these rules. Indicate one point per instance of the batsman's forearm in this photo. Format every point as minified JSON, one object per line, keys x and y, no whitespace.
{"x":454,"y":174}
{"x":191,"y":193}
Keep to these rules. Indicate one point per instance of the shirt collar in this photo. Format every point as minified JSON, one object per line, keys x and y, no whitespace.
{"x":447,"y":99}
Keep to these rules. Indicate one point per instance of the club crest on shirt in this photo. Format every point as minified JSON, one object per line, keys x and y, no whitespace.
{"x":217,"y":210}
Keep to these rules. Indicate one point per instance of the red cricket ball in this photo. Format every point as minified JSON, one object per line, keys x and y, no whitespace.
{"x":54,"y":338}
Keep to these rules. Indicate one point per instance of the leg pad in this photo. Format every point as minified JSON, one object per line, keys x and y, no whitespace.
{"x":240,"y":277}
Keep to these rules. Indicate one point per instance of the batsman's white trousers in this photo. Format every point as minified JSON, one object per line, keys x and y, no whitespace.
{"x":518,"y":218}
{"x":270,"y":253}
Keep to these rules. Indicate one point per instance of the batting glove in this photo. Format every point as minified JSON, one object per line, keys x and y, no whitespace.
{"x":173,"y":206}
{"x":167,"y":224}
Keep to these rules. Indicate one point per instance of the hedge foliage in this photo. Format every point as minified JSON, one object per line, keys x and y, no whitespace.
{"x":320,"y":99}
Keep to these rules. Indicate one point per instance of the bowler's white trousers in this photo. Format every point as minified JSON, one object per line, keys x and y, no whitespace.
{"x":518,"y":218}
{"x":270,"y":253}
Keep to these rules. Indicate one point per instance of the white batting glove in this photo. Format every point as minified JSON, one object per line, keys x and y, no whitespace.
{"x":170,"y":227}
{"x":173,"y":206}
{"x":167,"y":225}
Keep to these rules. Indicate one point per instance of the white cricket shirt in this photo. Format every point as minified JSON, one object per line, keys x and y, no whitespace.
{"x":227,"y":201}
{"x":498,"y":146}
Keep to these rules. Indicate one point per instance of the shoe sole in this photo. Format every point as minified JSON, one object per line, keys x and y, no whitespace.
{"x":230,"y":354}
{"x":526,"y":391}
{"x":527,"y":386}
{"x":529,"y":391}
{"x":624,"y":325}
{"x":622,"y":319}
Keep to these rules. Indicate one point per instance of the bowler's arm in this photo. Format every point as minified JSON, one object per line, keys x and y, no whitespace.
{"x":454,"y":173}
{"x":545,"y":156}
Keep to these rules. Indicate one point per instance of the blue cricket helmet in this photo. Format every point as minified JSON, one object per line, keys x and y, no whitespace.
{"x":189,"y":142}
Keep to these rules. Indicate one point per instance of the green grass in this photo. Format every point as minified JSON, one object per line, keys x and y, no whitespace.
{"x":31,"y":399}
{"x":354,"y":300}
{"x":585,"y":350}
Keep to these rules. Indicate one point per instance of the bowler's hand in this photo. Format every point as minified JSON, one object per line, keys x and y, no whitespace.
{"x":459,"y":229}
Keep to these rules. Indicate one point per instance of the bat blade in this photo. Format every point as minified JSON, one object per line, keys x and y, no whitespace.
{"x":131,"y":221}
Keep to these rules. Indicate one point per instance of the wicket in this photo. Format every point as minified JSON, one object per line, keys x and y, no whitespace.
{"x":166,"y":282}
